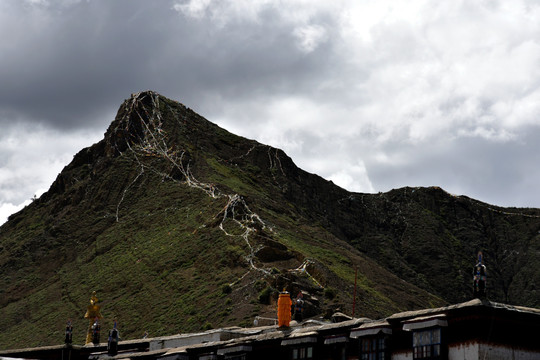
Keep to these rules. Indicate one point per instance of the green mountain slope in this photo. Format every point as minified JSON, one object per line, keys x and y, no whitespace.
{"x":180,"y":225}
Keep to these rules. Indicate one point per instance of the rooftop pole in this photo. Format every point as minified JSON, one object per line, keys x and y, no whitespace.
{"x":354,"y":294}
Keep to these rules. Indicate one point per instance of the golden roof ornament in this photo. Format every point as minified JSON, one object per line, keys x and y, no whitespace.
{"x":93,"y":310}
{"x":93,"y":314}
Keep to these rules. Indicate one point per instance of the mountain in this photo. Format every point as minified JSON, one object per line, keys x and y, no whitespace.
{"x":179,"y":225}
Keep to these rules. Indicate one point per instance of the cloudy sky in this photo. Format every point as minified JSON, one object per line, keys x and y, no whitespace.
{"x":373,"y":95}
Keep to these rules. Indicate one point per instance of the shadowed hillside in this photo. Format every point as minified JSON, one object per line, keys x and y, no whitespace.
{"x":180,"y":226}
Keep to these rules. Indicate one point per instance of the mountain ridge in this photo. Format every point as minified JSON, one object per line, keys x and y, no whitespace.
{"x":183,"y":226}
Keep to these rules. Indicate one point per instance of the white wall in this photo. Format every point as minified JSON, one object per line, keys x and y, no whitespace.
{"x":402,"y":356}
{"x":476,"y":351}
{"x":463,"y":352}
{"x":494,"y":352}
{"x":184,"y":340}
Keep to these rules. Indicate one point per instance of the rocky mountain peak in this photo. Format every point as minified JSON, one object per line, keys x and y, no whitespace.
{"x":138,"y":122}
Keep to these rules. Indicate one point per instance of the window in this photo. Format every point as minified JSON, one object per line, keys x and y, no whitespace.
{"x":208,"y":357}
{"x":427,"y":344}
{"x":302,"y":353}
{"x":373,"y":348}
{"x":236,"y":357}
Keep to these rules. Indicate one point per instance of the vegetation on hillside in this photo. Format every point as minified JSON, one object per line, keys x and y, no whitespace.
{"x":182,"y":226}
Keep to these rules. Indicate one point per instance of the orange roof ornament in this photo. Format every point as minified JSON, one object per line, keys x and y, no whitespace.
{"x":284,"y":309}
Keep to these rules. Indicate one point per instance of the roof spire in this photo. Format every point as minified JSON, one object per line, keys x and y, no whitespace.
{"x":479,"y":278}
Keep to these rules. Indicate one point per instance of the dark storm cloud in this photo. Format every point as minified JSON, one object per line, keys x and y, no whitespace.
{"x":75,"y":62}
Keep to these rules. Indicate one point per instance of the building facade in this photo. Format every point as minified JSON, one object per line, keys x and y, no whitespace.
{"x":474,"y":330}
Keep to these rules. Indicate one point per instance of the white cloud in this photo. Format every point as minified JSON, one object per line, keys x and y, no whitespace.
{"x":353,"y":178}
{"x":310,"y":37}
{"x":38,"y":2}
{"x":220,"y":12}
{"x":438,"y":67}
{"x":32,"y":157}
{"x":6,"y":209}
{"x":193,"y":8}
